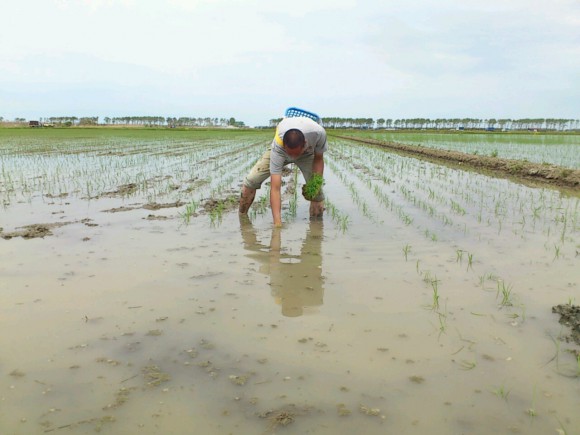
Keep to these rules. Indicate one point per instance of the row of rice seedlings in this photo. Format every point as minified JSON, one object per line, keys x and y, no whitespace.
{"x":352,"y":188}
{"x":555,"y":149}
{"x":509,"y":203}
{"x":499,"y":208}
{"x":96,"y":143}
{"x":459,"y":258}
{"x":435,"y":305}
{"x":502,"y":203}
{"x":505,"y":296}
{"x":261,"y":204}
{"x":94,"y":175}
{"x":41,"y":169}
{"x":366,"y":172}
{"x":341,"y":219}
{"x":293,"y":186}
{"x":430,"y":203}
{"x":224,"y":183}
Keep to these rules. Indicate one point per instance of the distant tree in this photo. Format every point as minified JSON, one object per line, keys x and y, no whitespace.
{"x":89,"y":120}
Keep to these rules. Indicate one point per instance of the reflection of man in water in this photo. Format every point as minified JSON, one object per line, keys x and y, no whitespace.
{"x":296,"y":280}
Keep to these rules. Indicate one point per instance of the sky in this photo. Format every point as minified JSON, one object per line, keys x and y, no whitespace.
{"x":251,"y":59}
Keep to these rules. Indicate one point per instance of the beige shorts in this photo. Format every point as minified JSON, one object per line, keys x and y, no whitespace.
{"x":261,"y":172}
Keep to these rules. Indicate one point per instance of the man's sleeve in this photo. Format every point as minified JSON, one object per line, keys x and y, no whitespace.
{"x":321,"y":143}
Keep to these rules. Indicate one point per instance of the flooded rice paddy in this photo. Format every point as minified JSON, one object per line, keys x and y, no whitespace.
{"x":133,"y":298}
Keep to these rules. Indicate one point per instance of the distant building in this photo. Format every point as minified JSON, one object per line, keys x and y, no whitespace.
{"x":34,"y":124}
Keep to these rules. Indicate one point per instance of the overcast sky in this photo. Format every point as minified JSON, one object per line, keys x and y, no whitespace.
{"x":251,"y":59}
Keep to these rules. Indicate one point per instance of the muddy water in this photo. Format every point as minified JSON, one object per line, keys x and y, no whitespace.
{"x":132,"y":324}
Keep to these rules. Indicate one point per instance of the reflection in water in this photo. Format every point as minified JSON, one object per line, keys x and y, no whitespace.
{"x":296,"y":280}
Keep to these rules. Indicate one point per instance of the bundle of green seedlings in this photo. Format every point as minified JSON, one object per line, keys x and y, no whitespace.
{"x":312,"y":187}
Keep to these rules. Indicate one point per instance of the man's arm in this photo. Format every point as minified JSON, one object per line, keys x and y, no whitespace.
{"x":318,"y":164}
{"x":275,"y":198}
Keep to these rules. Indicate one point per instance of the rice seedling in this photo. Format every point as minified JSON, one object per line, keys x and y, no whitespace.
{"x":189,"y":211}
{"x":313,"y":186}
{"x":562,"y":429}
{"x":556,"y":253}
{"x":262,"y":203}
{"x":442,"y":317}
{"x":506,"y":293}
{"x":469,"y":261}
{"x":501,"y":392}
{"x":344,"y":222}
{"x":531,"y":411}
{"x":434,"y":283}
{"x":406,"y":250}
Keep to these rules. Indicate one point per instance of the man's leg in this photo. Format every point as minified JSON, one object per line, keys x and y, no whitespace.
{"x":257,"y":175}
{"x":246,"y":198}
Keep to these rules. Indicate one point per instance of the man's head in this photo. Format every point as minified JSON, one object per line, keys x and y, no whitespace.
{"x":294,"y":142}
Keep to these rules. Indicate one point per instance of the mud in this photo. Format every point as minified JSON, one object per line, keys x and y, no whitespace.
{"x":151,"y":206}
{"x":228,"y":203}
{"x":124,"y":190}
{"x":570,"y":317}
{"x":155,"y":206}
{"x":539,"y":173}
{"x":39,"y":230}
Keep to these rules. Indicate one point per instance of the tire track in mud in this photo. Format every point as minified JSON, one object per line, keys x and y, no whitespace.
{"x":514,"y":169}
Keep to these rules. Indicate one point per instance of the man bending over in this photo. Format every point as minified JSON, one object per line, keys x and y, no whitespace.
{"x":298,"y":140}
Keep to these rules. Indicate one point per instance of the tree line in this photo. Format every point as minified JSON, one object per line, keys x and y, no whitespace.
{"x":554,"y":124}
{"x":147,"y":121}
{"x":558,"y":124}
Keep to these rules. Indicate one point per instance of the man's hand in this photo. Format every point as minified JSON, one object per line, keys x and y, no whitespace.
{"x":304,"y":192}
{"x":275,"y":198}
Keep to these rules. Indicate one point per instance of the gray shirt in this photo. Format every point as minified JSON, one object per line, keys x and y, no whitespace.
{"x":314,"y":134}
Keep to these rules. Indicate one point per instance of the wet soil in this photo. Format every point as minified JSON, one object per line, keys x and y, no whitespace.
{"x":39,"y":230}
{"x":538,"y":173}
{"x":230,"y":202}
{"x":150,"y":206}
{"x":156,"y":206}
{"x":570,"y":317}
{"x":124,"y":190}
